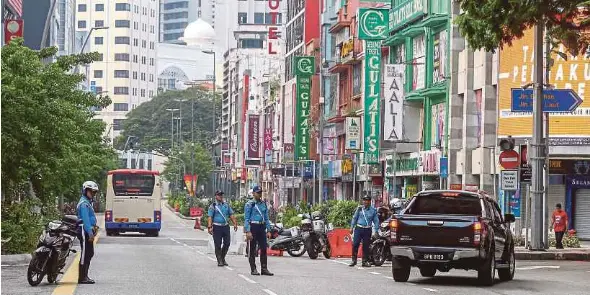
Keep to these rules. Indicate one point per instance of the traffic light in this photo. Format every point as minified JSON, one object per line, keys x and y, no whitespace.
{"x":507,"y":144}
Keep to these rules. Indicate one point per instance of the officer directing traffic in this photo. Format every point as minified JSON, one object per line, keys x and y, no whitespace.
{"x":360,"y":227}
{"x":218,"y":225}
{"x":88,"y":229}
{"x":257,"y":227}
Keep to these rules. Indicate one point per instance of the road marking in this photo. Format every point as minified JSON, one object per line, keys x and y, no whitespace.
{"x":389,"y":278}
{"x":199,"y":252}
{"x":68,"y":283}
{"x":246,"y":279}
{"x":538,"y":267}
{"x":210,"y":258}
{"x":184,"y":244}
{"x":269,"y":292}
{"x":375,"y":273}
{"x":411,"y":284}
{"x":341,"y":262}
{"x":173,"y":240}
{"x":361,"y":268}
{"x":229,"y":268}
{"x":430,"y":290}
{"x":13,"y":265}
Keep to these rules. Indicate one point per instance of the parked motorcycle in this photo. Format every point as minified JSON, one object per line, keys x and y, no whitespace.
{"x":289,"y":240}
{"x":53,"y":249}
{"x":314,"y":232}
{"x":380,"y":246}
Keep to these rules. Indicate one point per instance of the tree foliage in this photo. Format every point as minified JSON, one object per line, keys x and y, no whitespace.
{"x":50,"y":141}
{"x":490,"y":24}
{"x":203,"y":164}
{"x":151,"y":123}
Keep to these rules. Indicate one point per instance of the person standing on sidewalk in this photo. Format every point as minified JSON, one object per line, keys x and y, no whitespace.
{"x":365,"y":217}
{"x":559,"y":225}
{"x":257,"y":227}
{"x":218,"y":225}
{"x":87,"y":231}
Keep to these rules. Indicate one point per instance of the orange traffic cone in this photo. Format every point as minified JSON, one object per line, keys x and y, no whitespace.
{"x":198,"y":223}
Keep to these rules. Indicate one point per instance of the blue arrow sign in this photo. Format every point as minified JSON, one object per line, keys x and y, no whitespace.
{"x":554,"y":100}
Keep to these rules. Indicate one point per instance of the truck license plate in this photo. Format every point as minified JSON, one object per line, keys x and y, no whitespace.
{"x":434,"y":256}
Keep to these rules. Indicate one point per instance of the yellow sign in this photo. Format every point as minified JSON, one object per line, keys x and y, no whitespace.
{"x":517,"y":69}
{"x":347,"y":166}
{"x":347,"y":49}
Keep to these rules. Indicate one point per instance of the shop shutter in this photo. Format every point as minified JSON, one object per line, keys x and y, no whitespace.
{"x":555,"y":195}
{"x":582,"y":213}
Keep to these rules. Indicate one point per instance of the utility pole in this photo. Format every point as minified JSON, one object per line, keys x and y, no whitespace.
{"x":537,"y":159}
{"x":321,"y":109}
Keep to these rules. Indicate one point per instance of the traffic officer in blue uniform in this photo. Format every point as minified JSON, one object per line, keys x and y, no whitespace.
{"x":365,"y":217}
{"x":218,"y":225}
{"x":88,"y":229}
{"x":257,"y":228}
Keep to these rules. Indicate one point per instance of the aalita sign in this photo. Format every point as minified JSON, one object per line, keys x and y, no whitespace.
{"x":304,"y":69}
{"x":253,"y":137}
{"x":273,"y":30}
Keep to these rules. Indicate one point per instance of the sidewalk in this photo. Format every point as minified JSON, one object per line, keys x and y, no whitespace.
{"x":576,"y":254}
{"x":178,"y":213}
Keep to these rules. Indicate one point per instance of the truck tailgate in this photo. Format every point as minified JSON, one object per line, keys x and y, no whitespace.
{"x":436,"y":230}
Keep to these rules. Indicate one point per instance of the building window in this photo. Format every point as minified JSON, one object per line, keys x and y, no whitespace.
{"x":151,"y":94}
{"x":151,"y":61}
{"x":118,"y":124}
{"x":149,"y":164}
{"x":268,"y":18}
{"x":152,"y":45}
{"x":135,"y":42}
{"x":143,"y":27}
{"x":122,"y":23}
{"x":175,"y":26}
{"x":151,"y":77}
{"x":97,"y":73}
{"x":172,"y":36}
{"x":259,"y":18}
{"x":99,"y":7}
{"x":122,"y":7}
{"x":134,"y":75}
{"x":135,"y":58}
{"x":123,"y":163}
{"x":171,"y":83}
{"x":134,"y":91}
{"x":143,"y":60}
{"x":81,"y":24}
{"x":121,"y":56}
{"x":100,"y":57}
{"x":251,"y":43}
{"x":141,"y":162}
{"x":135,"y":25}
{"x":176,"y":15}
{"x":242,"y":17}
{"x":121,"y":90}
{"x":143,"y":43}
{"x":142,"y":92}
{"x":81,"y":7}
{"x":175,"y":5}
{"x":152,"y":29}
{"x":99,"y":23}
{"x":142,"y":76}
{"x":122,"y":40}
{"x":98,"y":40}
{"x":121,"y":74}
{"x":133,"y":163}
{"x":121,"y":107}
{"x":98,"y":89}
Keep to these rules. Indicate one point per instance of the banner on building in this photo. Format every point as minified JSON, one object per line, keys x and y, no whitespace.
{"x":304,"y":69}
{"x":353,"y":133}
{"x":394,"y":102}
{"x":373,"y":23}
{"x":13,"y":28}
{"x":253,"y":150}
{"x":268,"y":145}
{"x":288,"y":152}
{"x":190,"y":183}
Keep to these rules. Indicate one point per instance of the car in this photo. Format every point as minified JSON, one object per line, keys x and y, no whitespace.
{"x":441,"y":230}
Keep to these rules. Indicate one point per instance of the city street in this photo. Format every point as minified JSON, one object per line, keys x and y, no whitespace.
{"x":177,"y":263}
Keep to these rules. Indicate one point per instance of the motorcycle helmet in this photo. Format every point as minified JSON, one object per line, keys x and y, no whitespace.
{"x":396,"y":203}
{"x":91,"y":185}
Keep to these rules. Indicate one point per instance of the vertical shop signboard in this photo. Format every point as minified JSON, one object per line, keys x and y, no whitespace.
{"x":304,"y":69}
{"x":373,"y":28}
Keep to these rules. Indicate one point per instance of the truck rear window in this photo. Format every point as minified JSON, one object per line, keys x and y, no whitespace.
{"x":445,"y":205}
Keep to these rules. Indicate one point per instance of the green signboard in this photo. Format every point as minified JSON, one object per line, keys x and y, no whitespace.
{"x":304,"y":69}
{"x":372,"y":110}
{"x":406,"y":11}
{"x":373,"y":23}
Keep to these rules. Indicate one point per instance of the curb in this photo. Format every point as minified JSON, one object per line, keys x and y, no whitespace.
{"x":178,"y":213}
{"x":575,"y":256}
{"x":16,"y":259}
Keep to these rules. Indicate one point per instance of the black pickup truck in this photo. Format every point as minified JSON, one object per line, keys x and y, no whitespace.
{"x":446,"y":229}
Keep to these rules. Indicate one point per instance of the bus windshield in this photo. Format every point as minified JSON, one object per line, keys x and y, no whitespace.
{"x":133,"y":184}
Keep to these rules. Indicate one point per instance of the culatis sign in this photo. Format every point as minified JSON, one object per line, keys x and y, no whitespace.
{"x":273,"y":30}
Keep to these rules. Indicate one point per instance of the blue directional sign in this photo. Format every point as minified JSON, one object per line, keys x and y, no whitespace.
{"x":444,"y":167}
{"x":554,"y":100}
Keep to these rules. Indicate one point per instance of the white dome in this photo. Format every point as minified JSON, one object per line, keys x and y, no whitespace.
{"x":198,"y":32}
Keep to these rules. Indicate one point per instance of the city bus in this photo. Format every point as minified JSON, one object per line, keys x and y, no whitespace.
{"x":133,"y":202}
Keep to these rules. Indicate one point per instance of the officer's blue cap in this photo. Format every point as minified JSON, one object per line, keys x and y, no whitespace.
{"x":257,"y":189}
{"x":366,"y":198}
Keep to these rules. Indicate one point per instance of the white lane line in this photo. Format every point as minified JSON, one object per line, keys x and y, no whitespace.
{"x":173,"y":240}
{"x":210,"y":258}
{"x":375,"y":273}
{"x":538,"y":267}
{"x":361,"y":268}
{"x":269,"y":292}
{"x":411,"y":284}
{"x":389,"y":278}
{"x":341,"y":262}
{"x":199,"y":252}
{"x":229,"y":268}
{"x":13,"y":265}
{"x":184,"y":244}
{"x":246,"y":279}
{"x":430,"y":290}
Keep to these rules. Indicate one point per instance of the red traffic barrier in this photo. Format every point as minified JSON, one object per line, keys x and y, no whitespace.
{"x":270,"y":252}
{"x":196,"y":212}
{"x":341,"y":243}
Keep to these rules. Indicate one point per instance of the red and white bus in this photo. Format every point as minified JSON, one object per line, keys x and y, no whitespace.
{"x":133,"y":202}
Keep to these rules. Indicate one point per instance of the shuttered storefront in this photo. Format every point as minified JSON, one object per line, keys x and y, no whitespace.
{"x":555,"y":195}
{"x":582,"y":213}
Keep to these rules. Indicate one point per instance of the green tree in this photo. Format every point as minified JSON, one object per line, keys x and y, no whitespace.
{"x":51,"y":143}
{"x":151,"y":123}
{"x":490,"y":24}
{"x":203,"y":164}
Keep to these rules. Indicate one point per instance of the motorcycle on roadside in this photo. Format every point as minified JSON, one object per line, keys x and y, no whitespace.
{"x":289,"y":240}
{"x":314,"y":232}
{"x":379,"y":248}
{"x":53,"y":249}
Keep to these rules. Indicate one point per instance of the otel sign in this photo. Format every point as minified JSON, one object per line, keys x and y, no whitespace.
{"x":304,"y":66}
{"x":509,"y":159}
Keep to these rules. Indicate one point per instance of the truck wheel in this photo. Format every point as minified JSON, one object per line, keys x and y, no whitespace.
{"x":110,"y":233}
{"x":427,"y":271}
{"x":487,"y":272}
{"x":507,"y":274}
{"x":401,"y":274}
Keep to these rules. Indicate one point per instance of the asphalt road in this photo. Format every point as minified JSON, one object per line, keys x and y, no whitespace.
{"x":177,"y":263}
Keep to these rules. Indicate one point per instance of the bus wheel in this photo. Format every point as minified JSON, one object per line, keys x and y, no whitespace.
{"x":110,"y":233}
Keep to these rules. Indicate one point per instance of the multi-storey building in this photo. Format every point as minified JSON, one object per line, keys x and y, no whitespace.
{"x":61,"y":31}
{"x":175,"y":16}
{"x":127,"y":70}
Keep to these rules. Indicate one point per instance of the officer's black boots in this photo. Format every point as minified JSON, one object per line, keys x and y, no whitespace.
{"x":83,"y":275}
{"x":218,"y":256}
{"x":366,"y":263}
{"x":353,"y":263}
{"x":265,"y":271}
{"x":223,"y":254}
{"x":253,"y":270}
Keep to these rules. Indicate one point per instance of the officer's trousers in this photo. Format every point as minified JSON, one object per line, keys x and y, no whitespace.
{"x":361,"y":235}
{"x":221,"y":234}
{"x":258,"y":238}
{"x":87,"y":248}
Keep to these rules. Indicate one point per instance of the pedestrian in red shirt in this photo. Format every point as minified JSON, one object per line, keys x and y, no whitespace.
{"x":559,"y":225}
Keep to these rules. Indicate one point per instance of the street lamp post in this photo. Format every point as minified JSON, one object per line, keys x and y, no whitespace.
{"x":172,"y":128}
{"x":214,"y":110}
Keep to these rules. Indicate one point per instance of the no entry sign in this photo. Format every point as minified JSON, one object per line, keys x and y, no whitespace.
{"x":509,"y":159}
